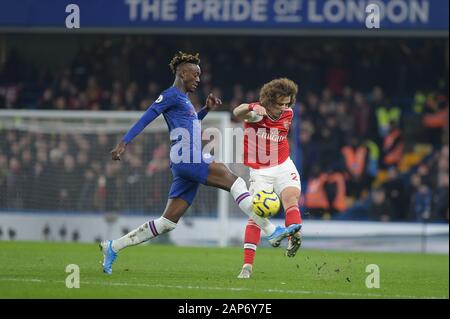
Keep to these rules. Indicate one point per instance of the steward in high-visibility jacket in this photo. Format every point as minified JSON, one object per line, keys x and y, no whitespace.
{"x":393,"y":146}
{"x":355,"y":160}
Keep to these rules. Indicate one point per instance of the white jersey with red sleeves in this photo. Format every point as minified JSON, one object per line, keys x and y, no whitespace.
{"x":266,"y":141}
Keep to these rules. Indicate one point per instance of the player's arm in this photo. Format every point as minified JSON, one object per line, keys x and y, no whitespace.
{"x":161,"y":104}
{"x":211,"y":103}
{"x":250,"y":112}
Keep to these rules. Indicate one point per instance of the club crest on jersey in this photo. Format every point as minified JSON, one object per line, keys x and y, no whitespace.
{"x":286,"y":124}
{"x":160,"y":98}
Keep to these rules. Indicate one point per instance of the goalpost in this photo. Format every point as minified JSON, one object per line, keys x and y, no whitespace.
{"x":59,"y":161}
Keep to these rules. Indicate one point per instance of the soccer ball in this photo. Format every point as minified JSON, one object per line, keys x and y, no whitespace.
{"x":266,"y":204}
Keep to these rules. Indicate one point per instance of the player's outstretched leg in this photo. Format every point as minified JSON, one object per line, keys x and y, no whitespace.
{"x":167,"y":222}
{"x":290,"y":197}
{"x":251,"y":241}
{"x":220,"y":176}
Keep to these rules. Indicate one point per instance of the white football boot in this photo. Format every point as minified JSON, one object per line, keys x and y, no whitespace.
{"x":246,"y":271}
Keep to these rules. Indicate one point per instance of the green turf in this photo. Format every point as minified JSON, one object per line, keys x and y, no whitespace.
{"x":37,"y":270}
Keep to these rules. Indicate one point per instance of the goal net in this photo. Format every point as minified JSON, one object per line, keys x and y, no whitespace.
{"x":60,"y":161}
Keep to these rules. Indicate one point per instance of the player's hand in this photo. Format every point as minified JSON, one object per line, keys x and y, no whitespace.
{"x":260,"y":110}
{"x":118,"y":150}
{"x":212,"y":102}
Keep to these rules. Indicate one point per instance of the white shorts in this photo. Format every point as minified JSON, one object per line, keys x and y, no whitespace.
{"x":275,"y":178}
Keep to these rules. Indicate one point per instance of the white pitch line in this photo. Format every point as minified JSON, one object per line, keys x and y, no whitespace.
{"x":299,"y":292}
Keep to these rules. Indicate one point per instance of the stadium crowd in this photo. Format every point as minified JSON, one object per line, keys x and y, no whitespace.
{"x":371,"y":146}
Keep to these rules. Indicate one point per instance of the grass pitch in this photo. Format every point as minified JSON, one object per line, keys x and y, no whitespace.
{"x":38,"y":270}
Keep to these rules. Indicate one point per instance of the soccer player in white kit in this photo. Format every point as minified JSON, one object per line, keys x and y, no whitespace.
{"x":267,"y":154}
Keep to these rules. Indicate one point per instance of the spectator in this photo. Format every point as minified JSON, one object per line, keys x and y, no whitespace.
{"x":310,"y":149}
{"x":27,"y":176}
{"x":328,"y":148}
{"x":325,"y":194}
{"x":316,"y":198}
{"x":336,"y":192}
{"x":87,"y":192}
{"x":380,"y":207}
{"x":441,"y":193}
{"x":372,"y":163}
{"x":440,"y":207}
{"x":69,"y":186}
{"x":421,"y":203}
{"x":386,"y":113}
{"x":14,"y":184}
{"x":111,"y":187}
{"x":435,"y":119}
{"x":393,"y":145}
{"x":134,"y":180}
{"x":395,"y":193}
{"x":361,"y":115}
{"x":52,"y":184}
{"x":345,"y":122}
{"x":355,"y":156}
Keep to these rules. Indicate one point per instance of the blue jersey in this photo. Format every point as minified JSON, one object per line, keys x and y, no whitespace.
{"x":182,"y":121}
{"x":190,"y":169}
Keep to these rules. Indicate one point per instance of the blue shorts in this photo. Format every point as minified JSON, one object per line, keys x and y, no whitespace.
{"x":187,"y":178}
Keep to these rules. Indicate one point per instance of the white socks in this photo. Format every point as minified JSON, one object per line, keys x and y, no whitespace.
{"x":143,"y":233}
{"x":240,"y":193}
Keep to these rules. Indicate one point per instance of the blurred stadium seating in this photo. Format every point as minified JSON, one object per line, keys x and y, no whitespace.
{"x":337,"y":100}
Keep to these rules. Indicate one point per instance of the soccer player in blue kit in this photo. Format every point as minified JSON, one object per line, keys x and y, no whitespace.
{"x":193,"y":169}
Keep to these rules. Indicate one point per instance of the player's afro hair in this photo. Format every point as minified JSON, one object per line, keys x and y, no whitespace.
{"x":277,"y":88}
{"x":181,"y":58}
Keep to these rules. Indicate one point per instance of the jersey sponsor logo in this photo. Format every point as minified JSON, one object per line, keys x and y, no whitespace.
{"x":160,"y":98}
{"x":273,"y":136}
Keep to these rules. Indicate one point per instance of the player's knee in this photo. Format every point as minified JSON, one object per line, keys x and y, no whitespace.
{"x":291,"y":192}
{"x":227,"y":181}
{"x":226,"y":175}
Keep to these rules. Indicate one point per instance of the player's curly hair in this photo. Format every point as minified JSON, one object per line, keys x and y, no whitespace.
{"x":277,"y":88}
{"x":181,"y":58}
